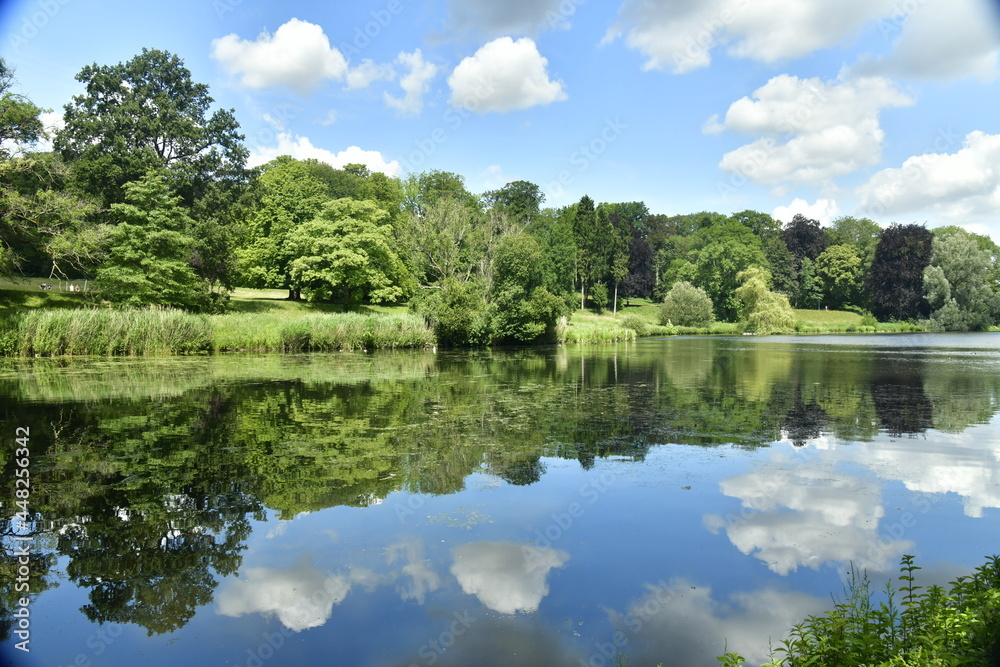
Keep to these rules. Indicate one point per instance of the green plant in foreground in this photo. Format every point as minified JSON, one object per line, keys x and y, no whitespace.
{"x":929,"y":627}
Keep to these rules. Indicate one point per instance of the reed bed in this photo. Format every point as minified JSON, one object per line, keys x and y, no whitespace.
{"x":319,"y":333}
{"x":91,"y":331}
{"x":134,"y":332}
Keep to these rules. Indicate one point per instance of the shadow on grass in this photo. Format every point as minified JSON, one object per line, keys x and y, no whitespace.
{"x":19,"y":299}
{"x":280,"y":306}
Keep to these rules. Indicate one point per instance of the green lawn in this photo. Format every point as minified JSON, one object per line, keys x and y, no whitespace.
{"x":827,"y":317}
{"x":25,"y":294}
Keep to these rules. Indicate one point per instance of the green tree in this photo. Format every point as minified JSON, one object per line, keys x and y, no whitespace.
{"x":288,"y":194}
{"x":347,"y":251}
{"x":861,"y":233}
{"x":957,"y":284}
{"x":147,"y":114}
{"x":149,"y":261}
{"x":810,"y":288}
{"x":727,"y":249}
{"x":687,"y":306}
{"x":521,"y":309}
{"x":445,"y":242}
{"x":618,"y":252}
{"x":20,"y":122}
{"x":422,"y":190}
{"x":840,"y":271}
{"x":521,"y":201}
{"x":590,"y":245}
{"x":764,"y":311}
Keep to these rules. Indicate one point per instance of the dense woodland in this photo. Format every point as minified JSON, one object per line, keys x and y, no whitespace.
{"x":146,"y":193}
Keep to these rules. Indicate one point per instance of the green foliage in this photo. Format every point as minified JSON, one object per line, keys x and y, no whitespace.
{"x":347,"y":252}
{"x":599,"y":297}
{"x":912,"y":627}
{"x":521,"y":309}
{"x":20,"y":120}
{"x":764,"y":311}
{"x":110,"y":332}
{"x":458,"y":313}
{"x":895,"y":281}
{"x":318,"y":333}
{"x":957,"y":283}
{"x":147,"y":114}
{"x":839,"y":269}
{"x":636,"y":323}
{"x":727,"y":250}
{"x":151,"y":250}
{"x":687,"y":306}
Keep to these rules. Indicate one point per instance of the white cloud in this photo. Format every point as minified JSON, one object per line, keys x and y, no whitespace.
{"x":506,"y":577}
{"x":813,"y":131}
{"x":807,"y":517}
{"x":681,"y":35}
{"x":963,"y":464}
{"x":493,"y":177}
{"x":415,"y":83}
{"x":298,"y":55}
{"x":824,"y":210}
{"x":301,"y":148}
{"x":422,"y":577}
{"x":512,"y":16}
{"x":685,"y":622}
{"x":368,"y":72}
{"x":302,"y":597}
{"x":940,"y":39}
{"x":959,"y":187}
{"x":504,"y":75}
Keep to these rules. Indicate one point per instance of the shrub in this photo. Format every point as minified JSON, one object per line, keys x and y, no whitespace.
{"x":599,"y":297}
{"x":687,"y":306}
{"x":636,"y":323}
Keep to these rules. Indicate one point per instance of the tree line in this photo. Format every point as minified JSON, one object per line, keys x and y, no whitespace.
{"x":146,"y":191}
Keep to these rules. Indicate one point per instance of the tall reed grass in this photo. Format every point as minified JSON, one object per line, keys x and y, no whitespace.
{"x":132,"y":332}
{"x":92,"y":331}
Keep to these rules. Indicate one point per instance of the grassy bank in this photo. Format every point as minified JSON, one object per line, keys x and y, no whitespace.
{"x":106,"y":332}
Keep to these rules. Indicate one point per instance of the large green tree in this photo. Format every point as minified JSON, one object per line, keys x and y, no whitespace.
{"x":957,"y":283}
{"x":726,"y":250}
{"x":347,"y":254}
{"x":149,"y":261}
{"x":841,"y":273}
{"x":146,"y":114}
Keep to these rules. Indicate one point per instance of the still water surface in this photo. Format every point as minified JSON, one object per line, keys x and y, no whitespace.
{"x":666,"y":498}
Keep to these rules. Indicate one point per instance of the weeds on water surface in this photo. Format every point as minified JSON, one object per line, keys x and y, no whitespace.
{"x":912,"y":627}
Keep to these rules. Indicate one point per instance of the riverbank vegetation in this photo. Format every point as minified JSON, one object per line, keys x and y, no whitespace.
{"x":909,"y":626}
{"x":131,"y":210}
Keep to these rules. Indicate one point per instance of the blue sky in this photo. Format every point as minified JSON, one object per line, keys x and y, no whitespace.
{"x":877,"y":108}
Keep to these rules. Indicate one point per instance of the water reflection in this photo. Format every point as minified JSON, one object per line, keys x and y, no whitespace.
{"x":154,"y":480}
{"x":506,"y":577}
{"x":795,"y":516}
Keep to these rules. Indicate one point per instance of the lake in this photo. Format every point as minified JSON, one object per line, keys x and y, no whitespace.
{"x":668,"y":499}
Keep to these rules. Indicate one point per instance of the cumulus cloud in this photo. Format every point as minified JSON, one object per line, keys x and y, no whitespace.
{"x":811,"y":131}
{"x":422,"y":579}
{"x":52,"y":122}
{"x":687,"y":623}
{"x":805,"y":517}
{"x":504,"y":75}
{"x":301,"y":148}
{"x":961,"y":464}
{"x":939,"y":39}
{"x":681,"y":36}
{"x":510,"y":17}
{"x":368,"y":72}
{"x":415,"y":83}
{"x":298,"y":56}
{"x":824,"y":210}
{"x":302,"y":597}
{"x":506,"y":577}
{"x":959,"y":187}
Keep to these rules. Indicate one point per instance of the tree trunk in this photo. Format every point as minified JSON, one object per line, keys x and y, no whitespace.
{"x":615,"y":306}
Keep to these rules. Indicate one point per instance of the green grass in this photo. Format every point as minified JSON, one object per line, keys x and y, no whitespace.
{"x":25,"y":294}
{"x":318,"y":332}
